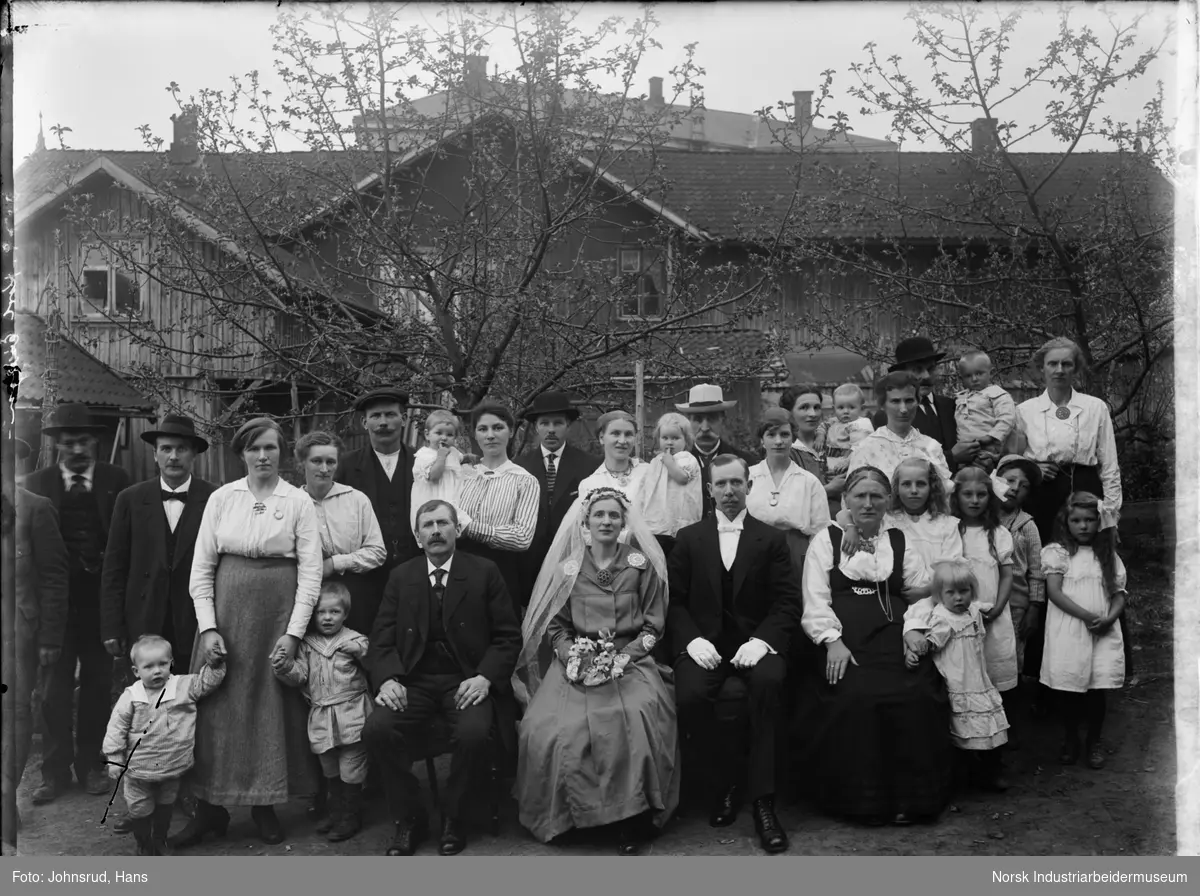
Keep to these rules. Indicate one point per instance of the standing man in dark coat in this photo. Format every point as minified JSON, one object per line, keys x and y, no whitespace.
{"x":83,"y":491}
{"x":149,"y":556}
{"x":558,"y":467}
{"x":383,"y":472}
{"x":705,"y":408}
{"x":935,"y":413}
{"x":734,"y":604}
{"x":445,"y":643}
{"x":43,"y":573}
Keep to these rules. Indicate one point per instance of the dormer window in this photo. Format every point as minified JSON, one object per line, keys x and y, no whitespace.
{"x":641,"y":277}
{"x":108,"y":286}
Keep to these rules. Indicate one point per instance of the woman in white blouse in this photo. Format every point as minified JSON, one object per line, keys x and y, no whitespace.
{"x":782,"y":493}
{"x":898,"y":440}
{"x":617,"y":432}
{"x":256,"y":576}
{"x":1069,"y":436}
{"x":501,"y":501}
{"x":882,"y":752}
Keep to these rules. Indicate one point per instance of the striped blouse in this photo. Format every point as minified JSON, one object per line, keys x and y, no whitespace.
{"x":502,"y":505}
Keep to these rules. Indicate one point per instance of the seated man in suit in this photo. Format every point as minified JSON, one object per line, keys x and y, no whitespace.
{"x":935,"y":413}
{"x":445,"y":642}
{"x":734,"y":604}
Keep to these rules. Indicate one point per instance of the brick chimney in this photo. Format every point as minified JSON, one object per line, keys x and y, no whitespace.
{"x":984,"y":138}
{"x":802,"y":101}
{"x":476,"y":72}
{"x":184,"y":146}
{"x":656,"y":92}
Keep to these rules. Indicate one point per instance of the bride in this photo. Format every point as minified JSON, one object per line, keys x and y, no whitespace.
{"x":598,"y":738}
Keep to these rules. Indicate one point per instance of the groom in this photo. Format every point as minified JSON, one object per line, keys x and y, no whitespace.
{"x":734,"y":605}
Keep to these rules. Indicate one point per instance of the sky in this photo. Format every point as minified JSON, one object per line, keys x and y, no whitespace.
{"x":102,"y":68}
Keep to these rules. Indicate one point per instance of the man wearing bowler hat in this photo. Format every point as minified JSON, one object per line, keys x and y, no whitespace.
{"x":383,"y":472}
{"x":705,"y":408}
{"x":43,"y":572}
{"x":84,"y":492}
{"x":558,"y":467}
{"x":935,"y":413}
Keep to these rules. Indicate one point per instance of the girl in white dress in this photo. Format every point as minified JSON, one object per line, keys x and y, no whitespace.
{"x":1084,"y":654}
{"x":671,"y":495}
{"x":956,"y":636}
{"x":439,"y":468}
{"x":988,"y":547}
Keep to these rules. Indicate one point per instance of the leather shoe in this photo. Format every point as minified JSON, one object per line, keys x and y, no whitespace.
{"x":1069,"y":754}
{"x":97,"y":783}
{"x":50,"y":790}
{"x":770,"y":832}
{"x":725,"y":810}
{"x":209,"y":819}
{"x":629,"y":843}
{"x":409,"y":835}
{"x":453,"y":839}
{"x":1095,"y":757}
{"x":270,"y":831}
{"x":123,"y":824}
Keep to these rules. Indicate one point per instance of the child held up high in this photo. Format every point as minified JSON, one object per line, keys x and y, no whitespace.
{"x":983,"y":411}
{"x":152,"y":737}
{"x":956,"y":635}
{"x":671,"y":495}
{"x":439,"y":468}
{"x":328,"y":666}
{"x":1083,"y":655}
{"x":847,"y":429}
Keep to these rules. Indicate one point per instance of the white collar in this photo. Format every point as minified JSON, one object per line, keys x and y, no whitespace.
{"x":283,"y":488}
{"x":138,"y":691}
{"x":445,"y":566}
{"x":1047,"y":404}
{"x":69,"y":477}
{"x":339,"y":488}
{"x":739,"y":520}
{"x":187,"y":483}
{"x":546,"y":453}
{"x":381,"y":455}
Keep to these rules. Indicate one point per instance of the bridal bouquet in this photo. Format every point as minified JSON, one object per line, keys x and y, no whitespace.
{"x":594,"y":661}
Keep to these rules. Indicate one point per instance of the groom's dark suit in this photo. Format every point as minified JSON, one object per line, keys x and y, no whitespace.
{"x":757,"y":598}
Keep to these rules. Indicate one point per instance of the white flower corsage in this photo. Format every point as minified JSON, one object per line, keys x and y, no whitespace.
{"x":648,"y":641}
{"x":571,"y":567}
{"x":620,"y":661}
{"x":637,"y":560}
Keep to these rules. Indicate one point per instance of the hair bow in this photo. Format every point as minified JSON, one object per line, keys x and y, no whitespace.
{"x":1000,"y":487}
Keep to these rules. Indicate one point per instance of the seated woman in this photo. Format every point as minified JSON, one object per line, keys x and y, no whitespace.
{"x":598,"y":742}
{"x":881,"y":744}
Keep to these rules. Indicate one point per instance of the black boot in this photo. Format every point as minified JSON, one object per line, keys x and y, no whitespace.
{"x":142,"y":835}
{"x":209,"y":819}
{"x":349,"y":820}
{"x":160,"y":825}
{"x":333,"y":805}
{"x":270,"y":831}
{"x":319,"y":807}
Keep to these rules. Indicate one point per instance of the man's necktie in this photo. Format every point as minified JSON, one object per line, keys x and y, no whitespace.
{"x":78,"y":484}
{"x":929,"y":408}
{"x":175,"y":496}
{"x":551,"y":474}
{"x":439,"y":586}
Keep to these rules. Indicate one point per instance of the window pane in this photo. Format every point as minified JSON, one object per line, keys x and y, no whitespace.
{"x":631,"y":261}
{"x":125,"y":293}
{"x":651,"y":300}
{"x":95,"y":290}
{"x":629,"y":307}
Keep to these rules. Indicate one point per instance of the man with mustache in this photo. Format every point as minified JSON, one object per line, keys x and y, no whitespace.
{"x":445,"y":643}
{"x":383,"y":472}
{"x":935,"y":413}
{"x":144,"y":583}
{"x":734,"y":604}
{"x":705,"y":409}
{"x":83,"y":491}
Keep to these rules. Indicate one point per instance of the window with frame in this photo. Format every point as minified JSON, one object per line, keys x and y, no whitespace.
{"x":108,"y":286}
{"x":399,"y":302}
{"x":641,"y":274}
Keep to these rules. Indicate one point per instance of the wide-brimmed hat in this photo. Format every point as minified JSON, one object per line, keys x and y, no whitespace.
{"x":913,"y":349}
{"x":381,"y":395}
{"x":706,"y":398}
{"x":552,"y":403}
{"x":72,"y":417}
{"x":176,"y":425}
{"x":1032,"y":470}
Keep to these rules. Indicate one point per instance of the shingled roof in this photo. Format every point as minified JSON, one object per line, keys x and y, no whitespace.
{"x":81,"y":376}
{"x":745,"y":195}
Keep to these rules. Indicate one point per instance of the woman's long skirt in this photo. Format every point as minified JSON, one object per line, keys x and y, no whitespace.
{"x":252,"y":732}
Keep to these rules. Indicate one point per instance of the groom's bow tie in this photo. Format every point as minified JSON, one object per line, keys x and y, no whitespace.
{"x":729,"y":527}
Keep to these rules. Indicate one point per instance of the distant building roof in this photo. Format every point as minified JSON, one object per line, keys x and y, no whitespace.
{"x":81,"y":376}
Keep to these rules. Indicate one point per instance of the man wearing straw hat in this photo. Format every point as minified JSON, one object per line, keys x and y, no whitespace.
{"x":705,"y":408}
{"x":83,"y":491}
{"x":42,"y":576}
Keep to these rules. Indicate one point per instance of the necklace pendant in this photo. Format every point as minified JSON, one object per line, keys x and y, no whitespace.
{"x":1063,"y":413}
{"x":774,"y":499}
{"x":604,"y":576}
